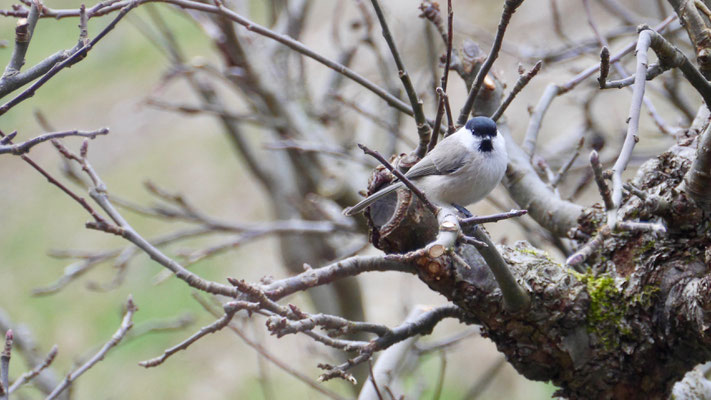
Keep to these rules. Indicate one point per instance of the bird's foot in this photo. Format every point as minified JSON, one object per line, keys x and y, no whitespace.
{"x":462,"y":210}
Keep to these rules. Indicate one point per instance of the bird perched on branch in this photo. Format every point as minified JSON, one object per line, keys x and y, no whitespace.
{"x":462,"y":169}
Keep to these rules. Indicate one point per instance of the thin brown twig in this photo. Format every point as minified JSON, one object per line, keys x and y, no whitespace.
{"x":373,"y":381}
{"x":631,"y":138}
{"x":423,"y":129}
{"x":600,"y":180}
{"x":510,"y":7}
{"x":604,"y":67}
{"x":122,"y":228}
{"x":520,"y":84}
{"x":424,"y":322}
{"x":24,"y":147}
{"x":440,"y":376}
{"x":212,"y":328}
{"x":554,"y":90}
{"x":5,"y":365}
{"x":434,"y":209}
{"x":267,"y":355}
{"x":448,"y":57}
{"x":515,"y":296}
{"x":438,"y":119}
{"x":485,"y":380}
{"x":82,"y":202}
{"x":349,"y":267}
{"x":23,"y":35}
{"x":71,"y":60}
{"x":568,"y":164}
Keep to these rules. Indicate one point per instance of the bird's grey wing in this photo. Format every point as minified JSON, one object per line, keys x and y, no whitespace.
{"x":439,"y":161}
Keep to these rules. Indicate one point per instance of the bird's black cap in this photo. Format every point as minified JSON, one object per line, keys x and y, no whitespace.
{"x":481,"y":126}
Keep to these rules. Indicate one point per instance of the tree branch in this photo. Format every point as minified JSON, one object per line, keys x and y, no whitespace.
{"x":510,"y":7}
{"x":24,"y":147}
{"x":126,"y":324}
{"x":423,"y":129}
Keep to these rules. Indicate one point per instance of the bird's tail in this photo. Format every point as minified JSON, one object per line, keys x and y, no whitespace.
{"x":363,"y":204}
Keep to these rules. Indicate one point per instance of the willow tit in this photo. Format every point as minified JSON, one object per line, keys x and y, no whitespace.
{"x":462,"y":169}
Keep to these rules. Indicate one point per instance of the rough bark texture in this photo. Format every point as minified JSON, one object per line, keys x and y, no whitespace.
{"x":629,"y":328}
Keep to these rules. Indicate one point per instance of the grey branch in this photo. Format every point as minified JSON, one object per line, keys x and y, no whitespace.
{"x":520,"y":84}
{"x":531,"y":193}
{"x":554,"y":90}
{"x":422,"y":324}
{"x":338,"y":270}
{"x":24,"y":147}
{"x":23,"y":35}
{"x":126,"y":324}
{"x":5,"y":365}
{"x":30,"y":375}
{"x":510,"y":7}
{"x":75,"y":57}
{"x":423,"y":129}
{"x":697,"y":182}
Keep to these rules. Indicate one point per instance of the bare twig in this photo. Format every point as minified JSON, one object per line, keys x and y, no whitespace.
{"x":266,"y":354}
{"x":422,"y":324}
{"x":510,"y":7}
{"x":633,"y":226}
{"x":655,"y":204}
{"x":568,"y":164}
{"x":26,"y":347}
{"x":212,"y":328}
{"x":434,"y":209}
{"x":493,"y":217}
{"x":600,"y":180}
{"x":82,"y":202}
{"x":160,"y":326}
{"x":604,"y":67}
{"x":553,"y":90}
{"x":126,"y":324}
{"x":515,"y":297}
{"x":697,"y":181}
{"x":344,"y":268}
{"x":28,"y":376}
{"x":89,"y":260}
{"x":5,"y":365}
{"x":75,"y":57}
{"x":579,"y":257}
{"x":24,"y":147}
{"x":520,"y":84}
{"x":23,"y":35}
{"x":337,"y":326}
{"x":122,"y":228}
{"x":438,"y":118}
{"x":388,"y":363}
{"x":423,"y":129}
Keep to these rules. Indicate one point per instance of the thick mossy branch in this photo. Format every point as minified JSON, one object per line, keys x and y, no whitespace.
{"x":630,"y":326}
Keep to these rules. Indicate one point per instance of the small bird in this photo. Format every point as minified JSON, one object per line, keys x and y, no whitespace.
{"x":462,"y":169}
